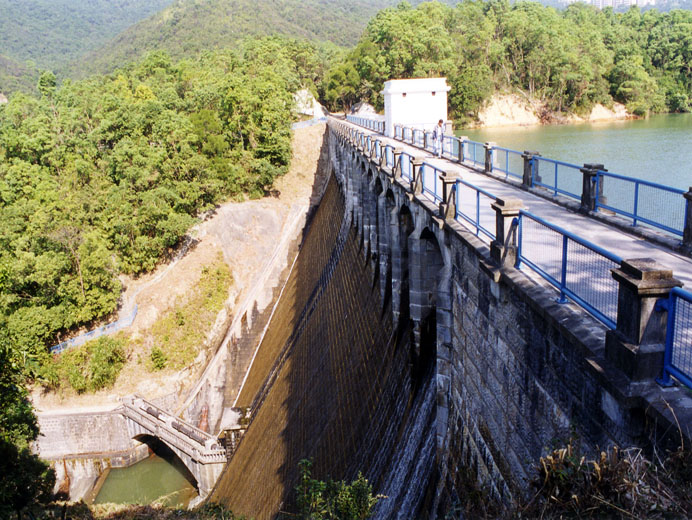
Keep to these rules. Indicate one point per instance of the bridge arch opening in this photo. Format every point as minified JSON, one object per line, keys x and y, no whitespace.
{"x":401,"y":274}
{"x":161,"y":449}
{"x":427,"y":265}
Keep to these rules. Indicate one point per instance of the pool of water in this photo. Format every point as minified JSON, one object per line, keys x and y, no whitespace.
{"x":153,"y":480}
{"x":656,"y":149}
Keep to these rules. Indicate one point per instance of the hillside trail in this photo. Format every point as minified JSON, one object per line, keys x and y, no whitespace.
{"x":247,"y":235}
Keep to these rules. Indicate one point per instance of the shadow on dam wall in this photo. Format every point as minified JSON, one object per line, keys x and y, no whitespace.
{"x":333,"y":381}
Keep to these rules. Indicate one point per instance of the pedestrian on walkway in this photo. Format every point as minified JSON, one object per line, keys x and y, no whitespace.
{"x":438,"y":137}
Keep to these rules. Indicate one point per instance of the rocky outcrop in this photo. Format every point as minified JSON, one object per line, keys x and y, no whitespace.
{"x":516,"y":110}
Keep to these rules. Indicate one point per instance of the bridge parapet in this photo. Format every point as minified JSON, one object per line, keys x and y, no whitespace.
{"x":199,"y":445}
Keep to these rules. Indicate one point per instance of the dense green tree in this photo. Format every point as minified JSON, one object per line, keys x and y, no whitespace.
{"x":26,"y":480}
{"x":106,"y":175}
{"x":568,"y":59}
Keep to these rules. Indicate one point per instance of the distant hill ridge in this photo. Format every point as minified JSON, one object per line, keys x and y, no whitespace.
{"x":188,"y":27}
{"x":49,"y":34}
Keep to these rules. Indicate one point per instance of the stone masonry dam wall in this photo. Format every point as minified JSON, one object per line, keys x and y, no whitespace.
{"x":516,"y":372}
{"x":332,"y":382}
{"x":400,"y":348}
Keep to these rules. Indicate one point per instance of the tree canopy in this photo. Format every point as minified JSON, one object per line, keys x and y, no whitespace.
{"x":104,"y":176}
{"x":569,"y":59}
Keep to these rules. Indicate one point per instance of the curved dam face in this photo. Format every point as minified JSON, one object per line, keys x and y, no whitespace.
{"x":336,"y":381}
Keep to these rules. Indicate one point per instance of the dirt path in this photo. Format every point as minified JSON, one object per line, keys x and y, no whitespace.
{"x":247,"y":234}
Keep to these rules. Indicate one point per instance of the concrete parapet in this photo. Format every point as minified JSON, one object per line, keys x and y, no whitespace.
{"x":504,"y":248}
{"x":637,"y":345}
{"x":530,"y":169}
{"x":489,"y":156}
{"x":588,"y":188}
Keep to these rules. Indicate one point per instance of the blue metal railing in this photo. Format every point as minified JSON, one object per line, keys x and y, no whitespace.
{"x":430,"y":179}
{"x":376,"y":125}
{"x":582,"y":272}
{"x":677,"y":360}
{"x":509,"y":162}
{"x":474,"y":152}
{"x":642,"y":201}
{"x":406,"y":165}
{"x":418,"y":138}
{"x":111,"y":328}
{"x":450,"y":147}
{"x":557,"y":176}
{"x":473,"y":206}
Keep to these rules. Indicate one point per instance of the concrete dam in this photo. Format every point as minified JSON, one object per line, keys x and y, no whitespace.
{"x":403,"y":346}
{"x":333,"y":381}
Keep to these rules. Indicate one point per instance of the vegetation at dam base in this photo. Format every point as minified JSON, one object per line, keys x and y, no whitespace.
{"x":570,"y":60}
{"x":25,"y":479}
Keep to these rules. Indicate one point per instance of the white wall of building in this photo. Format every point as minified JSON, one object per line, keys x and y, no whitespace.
{"x":416,"y":103}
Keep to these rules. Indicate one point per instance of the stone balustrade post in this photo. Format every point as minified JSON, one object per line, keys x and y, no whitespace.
{"x":396,"y":170}
{"x":462,"y":145}
{"x":530,"y":169}
{"x":448,"y":206}
{"x":504,"y":248}
{"x":588,"y":187}
{"x":637,"y":344}
{"x":687,"y":229}
{"x":489,"y":156}
{"x":417,"y":182}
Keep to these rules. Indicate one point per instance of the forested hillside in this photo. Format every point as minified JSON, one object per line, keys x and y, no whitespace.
{"x":190,"y":26}
{"x":569,"y":59}
{"x":105,"y":175}
{"x":48,"y":34}
{"x":16,"y":76}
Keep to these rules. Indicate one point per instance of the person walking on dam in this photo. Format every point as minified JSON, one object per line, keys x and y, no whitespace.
{"x":438,"y":137}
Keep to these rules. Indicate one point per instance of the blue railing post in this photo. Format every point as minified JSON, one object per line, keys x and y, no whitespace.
{"x":637,"y":344}
{"x":530,"y":169}
{"x":589,"y":191}
{"x":687,"y":229}
{"x":504,"y":248}
{"x":488,"y":156}
{"x":563,"y":271}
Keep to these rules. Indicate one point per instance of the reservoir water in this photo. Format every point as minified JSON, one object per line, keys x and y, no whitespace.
{"x":153,"y":480}
{"x":657,"y":149}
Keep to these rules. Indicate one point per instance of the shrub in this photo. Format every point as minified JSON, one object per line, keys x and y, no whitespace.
{"x":158,"y":359}
{"x":107,"y":359}
{"x":619,"y":484}
{"x":92,"y":366}
{"x":330,"y":500}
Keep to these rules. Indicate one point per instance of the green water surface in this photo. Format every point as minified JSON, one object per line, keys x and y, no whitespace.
{"x":657,"y":149}
{"x":151,"y":480}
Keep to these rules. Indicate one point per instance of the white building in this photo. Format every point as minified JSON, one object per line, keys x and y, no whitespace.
{"x":415,"y":103}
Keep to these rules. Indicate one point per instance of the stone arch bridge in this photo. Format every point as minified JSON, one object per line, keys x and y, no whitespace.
{"x":201,"y":452}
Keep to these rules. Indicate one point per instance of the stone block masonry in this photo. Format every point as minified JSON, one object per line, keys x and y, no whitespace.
{"x":517,"y":372}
